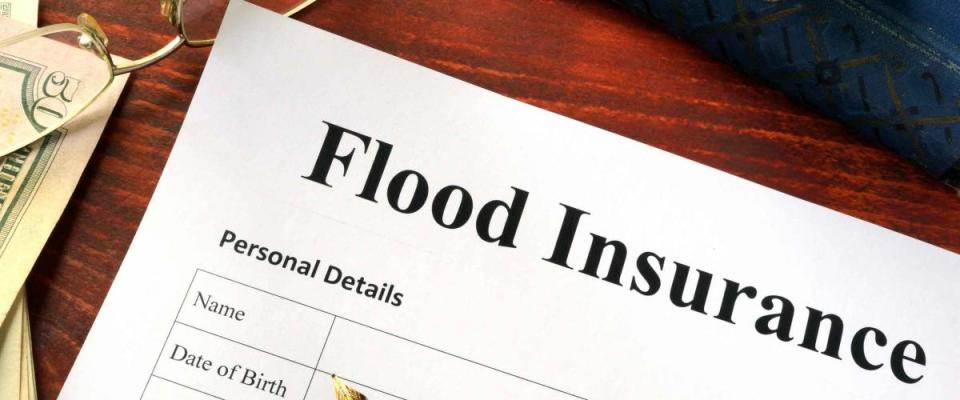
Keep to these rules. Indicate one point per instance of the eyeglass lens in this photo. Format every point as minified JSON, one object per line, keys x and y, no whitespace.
{"x":45,"y":80}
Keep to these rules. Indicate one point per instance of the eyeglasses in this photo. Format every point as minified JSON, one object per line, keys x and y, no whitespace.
{"x":49,"y":75}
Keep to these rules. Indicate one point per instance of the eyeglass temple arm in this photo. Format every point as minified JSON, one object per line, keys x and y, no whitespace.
{"x":299,"y":7}
{"x":289,"y":13}
{"x":149,"y":60}
{"x":175,"y":44}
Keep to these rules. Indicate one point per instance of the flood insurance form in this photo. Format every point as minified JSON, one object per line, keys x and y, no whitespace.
{"x":331,"y":209}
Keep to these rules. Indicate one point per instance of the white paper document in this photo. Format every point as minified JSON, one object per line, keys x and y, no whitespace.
{"x":332,"y":209}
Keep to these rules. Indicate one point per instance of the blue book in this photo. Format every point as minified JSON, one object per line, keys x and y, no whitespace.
{"x":890,"y":69}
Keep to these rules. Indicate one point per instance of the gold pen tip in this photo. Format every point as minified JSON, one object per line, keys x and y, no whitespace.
{"x":343,"y":391}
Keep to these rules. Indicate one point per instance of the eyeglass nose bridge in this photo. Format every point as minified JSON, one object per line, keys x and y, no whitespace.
{"x":171,"y":10}
{"x":92,"y":28}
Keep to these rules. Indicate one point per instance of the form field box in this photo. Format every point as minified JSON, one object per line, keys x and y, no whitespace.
{"x":256,"y":318}
{"x":391,"y":363}
{"x":229,"y":370}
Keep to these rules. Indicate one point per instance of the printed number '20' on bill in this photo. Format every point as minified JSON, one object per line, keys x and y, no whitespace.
{"x":37,"y":180}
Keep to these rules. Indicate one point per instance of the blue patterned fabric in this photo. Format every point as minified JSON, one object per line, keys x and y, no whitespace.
{"x":890,"y":68}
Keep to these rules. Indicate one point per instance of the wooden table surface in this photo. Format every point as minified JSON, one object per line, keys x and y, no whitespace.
{"x":588,"y":60}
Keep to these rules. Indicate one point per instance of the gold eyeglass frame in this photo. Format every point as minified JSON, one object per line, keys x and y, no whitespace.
{"x":93,"y":38}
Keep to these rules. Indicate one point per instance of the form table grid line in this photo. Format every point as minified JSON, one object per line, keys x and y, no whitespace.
{"x":317,"y":366}
{"x":186,"y":387}
{"x":244,"y":344}
{"x":170,"y":331}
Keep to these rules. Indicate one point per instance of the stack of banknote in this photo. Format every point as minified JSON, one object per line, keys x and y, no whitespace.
{"x":16,"y":355}
{"x":36,"y":183}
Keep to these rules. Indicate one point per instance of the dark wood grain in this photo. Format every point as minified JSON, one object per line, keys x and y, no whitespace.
{"x":585,"y":59}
